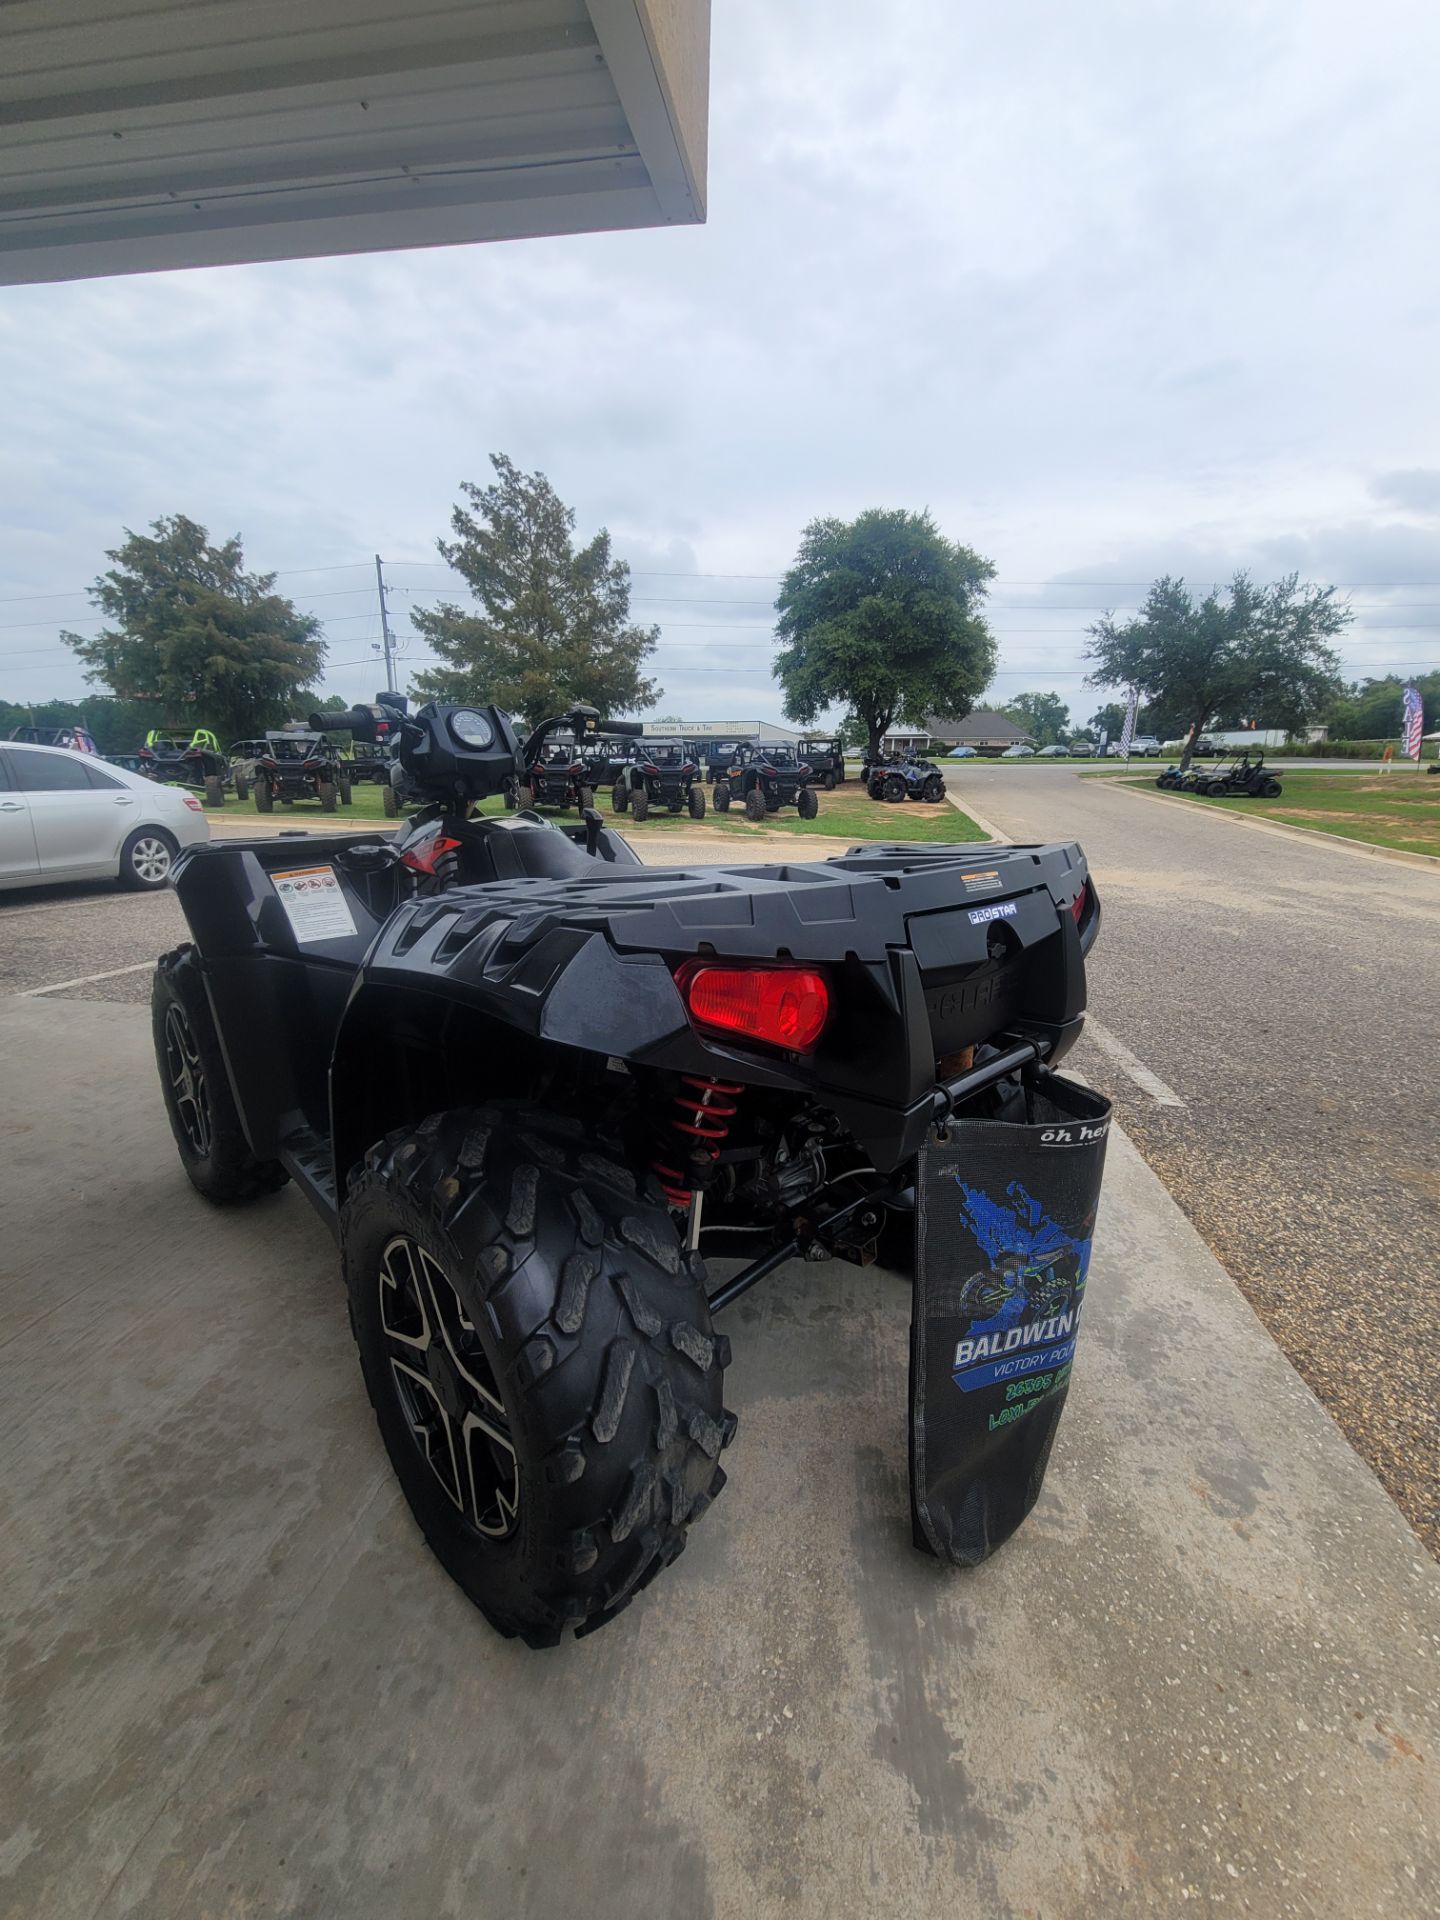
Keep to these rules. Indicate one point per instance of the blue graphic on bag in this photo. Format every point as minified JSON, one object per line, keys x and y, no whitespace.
{"x":1024,"y":1309}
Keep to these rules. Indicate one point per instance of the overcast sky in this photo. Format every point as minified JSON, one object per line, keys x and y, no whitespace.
{"x":1111,"y":289}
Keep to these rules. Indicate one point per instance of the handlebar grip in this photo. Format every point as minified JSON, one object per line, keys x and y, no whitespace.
{"x":624,"y":729}
{"x":359,"y":721}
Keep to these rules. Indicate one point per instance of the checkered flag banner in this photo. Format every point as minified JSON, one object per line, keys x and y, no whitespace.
{"x":1127,"y":732}
{"x":1414,"y":722}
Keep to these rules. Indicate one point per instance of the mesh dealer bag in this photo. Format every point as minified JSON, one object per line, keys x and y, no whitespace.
{"x":1005,"y":1216}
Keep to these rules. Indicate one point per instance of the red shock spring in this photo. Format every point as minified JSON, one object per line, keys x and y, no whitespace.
{"x":703,"y":1117}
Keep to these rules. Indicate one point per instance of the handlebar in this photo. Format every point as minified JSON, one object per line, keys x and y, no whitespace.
{"x":358,"y":721}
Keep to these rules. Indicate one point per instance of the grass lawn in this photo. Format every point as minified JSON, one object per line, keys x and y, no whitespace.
{"x":1400,"y":809}
{"x":846,"y":814}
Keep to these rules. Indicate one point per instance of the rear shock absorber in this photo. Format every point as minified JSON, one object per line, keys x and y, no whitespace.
{"x":701,"y":1115}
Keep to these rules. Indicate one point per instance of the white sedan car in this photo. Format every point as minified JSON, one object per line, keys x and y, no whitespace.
{"x":72,"y":816}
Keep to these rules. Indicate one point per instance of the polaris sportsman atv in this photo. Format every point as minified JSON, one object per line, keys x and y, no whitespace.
{"x":766,"y":778}
{"x":907,"y":777}
{"x":825,"y":758}
{"x":529,"y":1084}
{"x":661,"y":773}
{"x":177,"y":761}
{"x":294,"y":766}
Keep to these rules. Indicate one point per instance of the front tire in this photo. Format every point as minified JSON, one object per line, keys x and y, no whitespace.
{"x":390,"y":802}
{"x":242,"y":787}
{"x":755,"y":805}
{"x":830,"y":782}
{"x":214,"y":790}
{"x":146,"y":860}
{"x":264,"y":798}
{"x":198,"y":1102}
{"x":934,"y":790}
{"x":640,"y":805}
{"x":807,"y":803}
{"x":537,"y":1349}
{"x":696,"y":802}
{"x":326,"y":790}
{"x":893,"y":789}
{"x":721,"y":796}
{"x":620,"y":798}
{"x":346,"y":791}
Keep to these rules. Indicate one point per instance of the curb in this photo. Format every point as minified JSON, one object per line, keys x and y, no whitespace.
{"x":1367,"y":849}
{"x":986,"y":826}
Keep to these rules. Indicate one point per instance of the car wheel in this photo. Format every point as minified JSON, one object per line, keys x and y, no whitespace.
{"x":214,"y":790}
{"x":326,"y":791}
{"x":264,"y":798}
{"x":755,"y":805}
{"x":146,"y":859}
{"x":620,"y":798}
{"x":640,"y":805}
{"x":390,"y":802}
{"x":536,"y":1346}
{"x":721,"y":796}
{"x":892,"y":788}
{"x":933,"y":790}
{"x":807,"y":803}
{"x":345,"y":790}
{"x":587,"y":799}
{"x":242,"y":787}
{"x":830,"y":783}
{"x":198,"y":1102}
{"x":697,"y":802}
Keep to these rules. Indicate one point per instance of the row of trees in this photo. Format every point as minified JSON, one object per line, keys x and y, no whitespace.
{"x":882,"y":616}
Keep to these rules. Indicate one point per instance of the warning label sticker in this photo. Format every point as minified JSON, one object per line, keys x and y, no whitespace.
{"x":987,"y":880}
{"x":314,"y":902}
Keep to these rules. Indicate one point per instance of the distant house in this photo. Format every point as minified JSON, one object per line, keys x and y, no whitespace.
{"x":987,"y":732}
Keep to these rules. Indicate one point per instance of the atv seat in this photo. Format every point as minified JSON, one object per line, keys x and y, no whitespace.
{"x":524,"y":846}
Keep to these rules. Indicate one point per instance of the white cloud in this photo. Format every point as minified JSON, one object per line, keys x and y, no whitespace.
{"x":1113,"y":290}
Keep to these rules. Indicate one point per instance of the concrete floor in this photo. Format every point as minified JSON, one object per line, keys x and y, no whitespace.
{"x":236,"y":1685}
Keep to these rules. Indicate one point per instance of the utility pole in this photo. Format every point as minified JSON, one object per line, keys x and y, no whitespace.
{"x":387,"y":638}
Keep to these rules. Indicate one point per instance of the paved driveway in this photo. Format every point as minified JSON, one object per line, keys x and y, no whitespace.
{"x":1288,"y":992}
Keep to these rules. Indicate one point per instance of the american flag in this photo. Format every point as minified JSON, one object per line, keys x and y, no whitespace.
{"x":1413,"y":724}
{"x":1127,"y":732}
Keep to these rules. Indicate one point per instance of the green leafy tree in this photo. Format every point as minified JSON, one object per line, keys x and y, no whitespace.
{"x":1245,"y":651}
{"x":1372,"y":709}
{"x":881,"y":615}
{"x":202,"y":642}
{"x":553,"y":625}
{"x":1044,"y":716}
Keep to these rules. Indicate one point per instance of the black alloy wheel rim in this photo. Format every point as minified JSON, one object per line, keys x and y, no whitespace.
{"x":186,"y":1076}
{"x":446,"y":1389}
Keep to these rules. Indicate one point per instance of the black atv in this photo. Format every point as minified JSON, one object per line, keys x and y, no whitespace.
{"x":661,"y":773}
{"x":605,"y":761}
{"x":718,"y":756}
{"x":294,"y":766}
{"x":825,"y":758}
{"x":187,"y":760}
{"x":764,"y":779}
{"x":528,"y":1084}
{"x":558,"y":776}
{"x":906,"y":777}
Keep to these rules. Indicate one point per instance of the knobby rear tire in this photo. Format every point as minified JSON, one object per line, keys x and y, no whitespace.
{"x":595,"y":1329}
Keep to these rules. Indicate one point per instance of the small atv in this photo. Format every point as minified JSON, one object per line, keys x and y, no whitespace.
{"x":907,"y":777}
{"x":662,"y":773}
{"x":825,"y":758}
{"x":764,"y":779}
{"x":294,"y":766}
{"x":529,"y":1085}
{"x":559,"y":776}
{"x":605,"y":761}
{"x":718,"y":756}
{"x":177,"y":761}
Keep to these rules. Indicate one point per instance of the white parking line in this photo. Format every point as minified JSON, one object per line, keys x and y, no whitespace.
{"x":84,"y":979}
{"x":1117,"y":1051}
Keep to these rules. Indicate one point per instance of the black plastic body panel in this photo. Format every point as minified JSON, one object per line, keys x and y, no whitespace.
{"x":928,"y":950}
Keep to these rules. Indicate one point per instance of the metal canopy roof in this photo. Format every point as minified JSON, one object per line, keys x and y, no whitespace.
{"x":136,"y":137}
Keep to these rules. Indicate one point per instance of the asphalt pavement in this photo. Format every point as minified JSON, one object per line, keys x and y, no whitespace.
{"x":1288,"y":994}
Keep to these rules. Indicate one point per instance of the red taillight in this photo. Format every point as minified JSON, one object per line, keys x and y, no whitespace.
{"x":783,"y":1006}
{"x":191,"y":802}
{"x":1077,"y":905}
